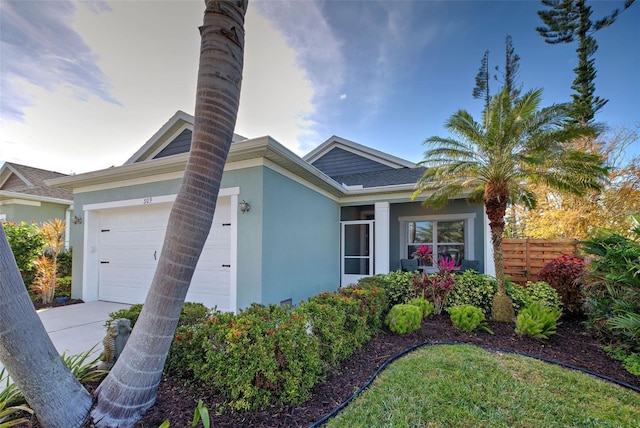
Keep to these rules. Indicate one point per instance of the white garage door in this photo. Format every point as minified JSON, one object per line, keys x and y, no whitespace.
{"x":130,"y":240}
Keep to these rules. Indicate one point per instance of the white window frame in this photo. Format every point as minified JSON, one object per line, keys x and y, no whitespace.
{"x":469,"y":243}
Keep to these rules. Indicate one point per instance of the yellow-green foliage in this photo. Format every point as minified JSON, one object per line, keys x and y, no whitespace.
{"x":468,"y":318}
{"x":537,"y":320}
{"x":404,"y":319}
{"x":425,"y":306}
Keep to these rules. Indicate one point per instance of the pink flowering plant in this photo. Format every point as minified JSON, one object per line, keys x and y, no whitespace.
{"x":436,"y":287}
{"x":424,"y":254}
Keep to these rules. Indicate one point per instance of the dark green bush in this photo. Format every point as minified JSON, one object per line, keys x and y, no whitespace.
{"x":65,"y":260}
{"x":373,"y":303}
{"x":426,"y":307}
{"x":473,"y":289}
{"x":468,"y":318}
{"x":398,"y":286}
{"x":403,"y":318}
{"x":540,"y":291}
{"x":191,"y":314}
{"x":26,"y":243}
{"x":612,"y":289}
{"x":63,"y":289}
{"x":261,"y":357}
{"x":537,"y":320}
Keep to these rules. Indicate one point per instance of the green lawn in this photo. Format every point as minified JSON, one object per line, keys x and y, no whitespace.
{"x":465,"y":386}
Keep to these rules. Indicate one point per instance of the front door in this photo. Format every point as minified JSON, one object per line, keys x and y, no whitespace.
{"x":357,"y":250}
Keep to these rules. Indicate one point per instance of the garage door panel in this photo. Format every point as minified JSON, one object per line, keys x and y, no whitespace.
{"x":131,"y":241}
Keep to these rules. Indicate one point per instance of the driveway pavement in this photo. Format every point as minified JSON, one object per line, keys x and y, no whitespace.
{"x":76,"y":328}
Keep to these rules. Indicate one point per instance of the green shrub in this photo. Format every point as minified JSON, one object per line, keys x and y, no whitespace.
{"x":261,"y":357}
{"x":27,"y":242}
{"x":564,"y":274}
{"x":473,"y":289}
{"x":328,"y":324}
{"x":356,"y":330}
{"x":540,"y":291}
{"x":403,"y":318}
{"x":63,"y":289}
{"x":191,"y":314}
{"x":426,"y":307}
{"x":468,"y":318}
{"x":631,"y":361}
{"x":398,"y":286}
{"x":537,"y":320}
{"x":373,"y":303}
{"x":612,"y":289}
{"x":65,"y":261}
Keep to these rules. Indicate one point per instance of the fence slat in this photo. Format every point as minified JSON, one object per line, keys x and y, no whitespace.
{"x":524,"y":258}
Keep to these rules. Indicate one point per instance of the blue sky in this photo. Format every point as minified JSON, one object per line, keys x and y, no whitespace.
{"x":85,"y":84}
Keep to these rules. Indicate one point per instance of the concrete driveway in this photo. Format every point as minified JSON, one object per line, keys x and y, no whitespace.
{"x":76,"y":328}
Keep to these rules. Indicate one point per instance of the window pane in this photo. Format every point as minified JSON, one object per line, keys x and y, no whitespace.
{"x":451,"y":232}
{"x":355,"y":266}
{"x":451,"y":251}
{"x":356,"y":240}
{"x":420,"y":232}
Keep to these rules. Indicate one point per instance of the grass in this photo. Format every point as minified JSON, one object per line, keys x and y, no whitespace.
{"x":465,"y":386}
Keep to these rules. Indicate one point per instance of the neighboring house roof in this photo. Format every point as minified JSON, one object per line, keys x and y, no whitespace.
{"x":26,"y":182}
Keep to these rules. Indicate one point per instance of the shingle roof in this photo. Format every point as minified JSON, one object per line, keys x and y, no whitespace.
{"x":31,"y":182}
{"x":389,"y":177}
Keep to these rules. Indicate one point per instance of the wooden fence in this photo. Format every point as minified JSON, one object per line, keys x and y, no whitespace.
{"x":524,"y":258}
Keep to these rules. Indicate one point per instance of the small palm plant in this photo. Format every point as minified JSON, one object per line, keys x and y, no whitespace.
{"x":495,"y":160}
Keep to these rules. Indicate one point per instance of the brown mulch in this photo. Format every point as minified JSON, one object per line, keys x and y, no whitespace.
{"x":570,"y":345}
{"x":38,"y":304}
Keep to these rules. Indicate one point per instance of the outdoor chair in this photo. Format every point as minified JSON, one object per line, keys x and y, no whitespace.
{"x":409,"y":265}
{"x":469,"y":265}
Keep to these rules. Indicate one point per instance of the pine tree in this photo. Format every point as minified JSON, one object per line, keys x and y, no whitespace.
{"x":566,"y":21}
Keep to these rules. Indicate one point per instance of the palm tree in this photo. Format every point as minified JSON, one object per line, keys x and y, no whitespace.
{"x":131,"y":386}
{"x":495,"y":161}
{"x":26,"y":351}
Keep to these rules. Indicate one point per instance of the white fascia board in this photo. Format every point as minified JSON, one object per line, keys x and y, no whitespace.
{"x":15,"y":196}
{"x":358,"y":149}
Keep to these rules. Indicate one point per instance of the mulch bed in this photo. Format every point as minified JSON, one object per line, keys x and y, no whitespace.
{"x":38,"y":304}
{"x":570,"y":345}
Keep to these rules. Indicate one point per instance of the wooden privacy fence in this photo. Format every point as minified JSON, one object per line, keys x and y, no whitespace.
{"x":524,"y":258}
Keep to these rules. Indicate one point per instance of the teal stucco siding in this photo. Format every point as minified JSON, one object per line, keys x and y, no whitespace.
{"x":301,"y":245}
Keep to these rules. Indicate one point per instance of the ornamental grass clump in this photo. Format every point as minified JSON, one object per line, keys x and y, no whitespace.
{"x":403,"y":319}
{"x":537,"y":320}
{"x":468,"y":318}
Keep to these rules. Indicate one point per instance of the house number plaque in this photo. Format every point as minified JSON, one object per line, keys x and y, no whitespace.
{"x":147,"y":200}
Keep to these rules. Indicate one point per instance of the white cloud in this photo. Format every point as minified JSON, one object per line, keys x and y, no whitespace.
{"x":148,"y":54}
{"x":40,"y":48}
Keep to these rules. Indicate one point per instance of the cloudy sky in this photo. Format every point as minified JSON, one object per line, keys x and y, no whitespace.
{"x":84,"y":84}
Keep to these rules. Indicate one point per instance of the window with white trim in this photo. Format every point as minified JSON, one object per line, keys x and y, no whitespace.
{"x":447,"y":237}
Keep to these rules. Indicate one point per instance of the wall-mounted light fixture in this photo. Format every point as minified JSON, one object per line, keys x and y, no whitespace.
{"x":244,"y":206}
{"x":76,"y":220}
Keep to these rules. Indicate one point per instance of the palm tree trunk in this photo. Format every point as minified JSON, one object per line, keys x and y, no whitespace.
{"x":131,"y":387}
{"x":495,"y":201}
{"x":29,"y":356}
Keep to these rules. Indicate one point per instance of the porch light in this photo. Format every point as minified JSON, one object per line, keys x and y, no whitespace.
{"x":244,"y":206}
{"x":76,"y":220}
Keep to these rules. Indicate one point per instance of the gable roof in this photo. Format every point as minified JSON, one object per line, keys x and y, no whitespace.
{"x":174,"y":137}
{"x":26,"y":182}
